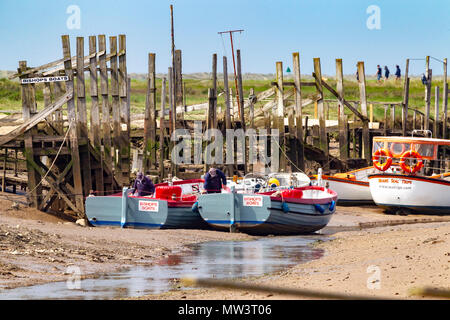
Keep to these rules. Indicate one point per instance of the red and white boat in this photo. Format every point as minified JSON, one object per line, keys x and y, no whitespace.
{"x":418,"y":182}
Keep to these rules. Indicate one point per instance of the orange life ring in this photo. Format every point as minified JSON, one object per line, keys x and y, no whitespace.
{"x":376,"y":157}
{"x":409,"y":155}
{"x":393,"y":151}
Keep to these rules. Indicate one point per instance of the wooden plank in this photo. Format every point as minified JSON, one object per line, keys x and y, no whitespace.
{"x":343,"y":134}
{"x":82,"y":119}
{"x":149,"y":156}
{"x":345,"y":102}
{"x":31,"y":122}
{"x":323,"y":139}
{"x":300,"y":154}
{"x":73,"y":129}
{"x":162,"y":130}
{"x":106,"y":115}
{"x":124,"y":151}
{"x":366,"y":147}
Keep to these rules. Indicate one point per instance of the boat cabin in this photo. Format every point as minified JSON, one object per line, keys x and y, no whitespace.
{"x":411,"y":155}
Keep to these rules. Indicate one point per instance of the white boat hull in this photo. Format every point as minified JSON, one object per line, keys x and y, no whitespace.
{"x":350,"y":192}
{"x":417,"y":193}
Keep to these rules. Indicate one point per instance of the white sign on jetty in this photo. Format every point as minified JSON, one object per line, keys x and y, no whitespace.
{"x":45,"y":79}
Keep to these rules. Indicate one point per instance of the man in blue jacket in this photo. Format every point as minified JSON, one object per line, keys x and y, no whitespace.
{"x":143,"y":185}
{"x":214,"y":179}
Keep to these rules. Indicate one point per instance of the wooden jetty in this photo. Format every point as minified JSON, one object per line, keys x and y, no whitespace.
{"x":82,"y":140}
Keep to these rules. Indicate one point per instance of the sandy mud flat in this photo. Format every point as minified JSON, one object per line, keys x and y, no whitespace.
{"x":370,"y":253}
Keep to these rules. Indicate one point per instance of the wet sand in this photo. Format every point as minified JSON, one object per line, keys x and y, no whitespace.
{"x":365,"y":257}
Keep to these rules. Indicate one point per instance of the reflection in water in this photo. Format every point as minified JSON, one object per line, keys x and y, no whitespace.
{"x":218,"y":259}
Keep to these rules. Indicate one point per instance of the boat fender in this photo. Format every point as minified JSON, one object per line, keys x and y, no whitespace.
{"x":258,"y":187}
{"x":332,"y":205}
{"x":319,"y":208}
{"x":195,"y":207}
{"x":285,"y":207}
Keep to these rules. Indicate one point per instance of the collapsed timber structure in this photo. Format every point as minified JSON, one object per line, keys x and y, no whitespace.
{"x":82,"y":140}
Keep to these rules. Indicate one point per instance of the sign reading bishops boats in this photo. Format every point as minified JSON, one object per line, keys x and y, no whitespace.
{"x":44,"y":79}
{"x":149,"y":206}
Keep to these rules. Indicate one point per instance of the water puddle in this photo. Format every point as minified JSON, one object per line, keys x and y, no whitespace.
{"x":216,"y":259}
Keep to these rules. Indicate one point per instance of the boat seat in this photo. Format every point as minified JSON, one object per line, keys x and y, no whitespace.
{"x":166,"y":192}
{"x":292,"y":193}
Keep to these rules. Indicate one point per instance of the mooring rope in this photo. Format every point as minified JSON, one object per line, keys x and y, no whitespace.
{"x":54,"y":160}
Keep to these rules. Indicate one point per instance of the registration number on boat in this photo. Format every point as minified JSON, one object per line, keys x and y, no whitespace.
{"x":149,"y":206}
{"x":253,"y":201}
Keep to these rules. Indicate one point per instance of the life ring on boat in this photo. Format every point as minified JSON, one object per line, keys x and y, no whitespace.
{"x":411,"y":154}
{"x":376,"y":157}
{"x":395,"y":154}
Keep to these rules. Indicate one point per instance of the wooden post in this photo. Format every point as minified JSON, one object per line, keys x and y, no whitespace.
{"x":230,"y":167}
{"x":172,"y":106}
{"x":214,"y":86}
{"x":4,"y":170}
{"x":323,"y":139}
{"x":279,"y":119}
{"x":95,"y":112}
{"x":428,"y":74}
{"x":149,"y":156}
{"x":298,"y":112}
{"x":162,"y":129}
{"x":106,"y":115}
{"x":405,"y":100}
{"x":124,"y":151}
{"x":444,"y":102}
{"x":343,"y":134}
{"x":241,"y":92}
{"x":73,"y":127}
{"x":82,"y":120}
{"x":210,"y":112}
{"x":414,"y":119}
{"x":354,"y":135}
{"x":115,"y":107}
{"x":436,"y":113}
{"x":178,"y":85}
{"x":385,"y":129}
{"x":393,"y":117}
{"x":362,"y":94}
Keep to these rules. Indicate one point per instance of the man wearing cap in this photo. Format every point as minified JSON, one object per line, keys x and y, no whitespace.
{"x":214,"y":179}
{"x":143,"y":186}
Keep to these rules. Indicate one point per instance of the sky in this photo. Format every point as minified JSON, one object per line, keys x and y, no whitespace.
{"x":273,"y":29}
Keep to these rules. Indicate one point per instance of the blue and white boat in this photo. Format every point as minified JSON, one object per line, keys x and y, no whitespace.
{"x":169,"y":207}
{"x":284,"y":212}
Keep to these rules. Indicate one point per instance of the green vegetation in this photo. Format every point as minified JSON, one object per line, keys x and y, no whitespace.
{"x":196,"y":91}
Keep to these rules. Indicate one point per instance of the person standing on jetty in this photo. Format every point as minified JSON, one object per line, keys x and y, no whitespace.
{"x":398,"y":73}
{"x":214,"y":179}
{"x":143,"y":185}
{"x":379,"y":73}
